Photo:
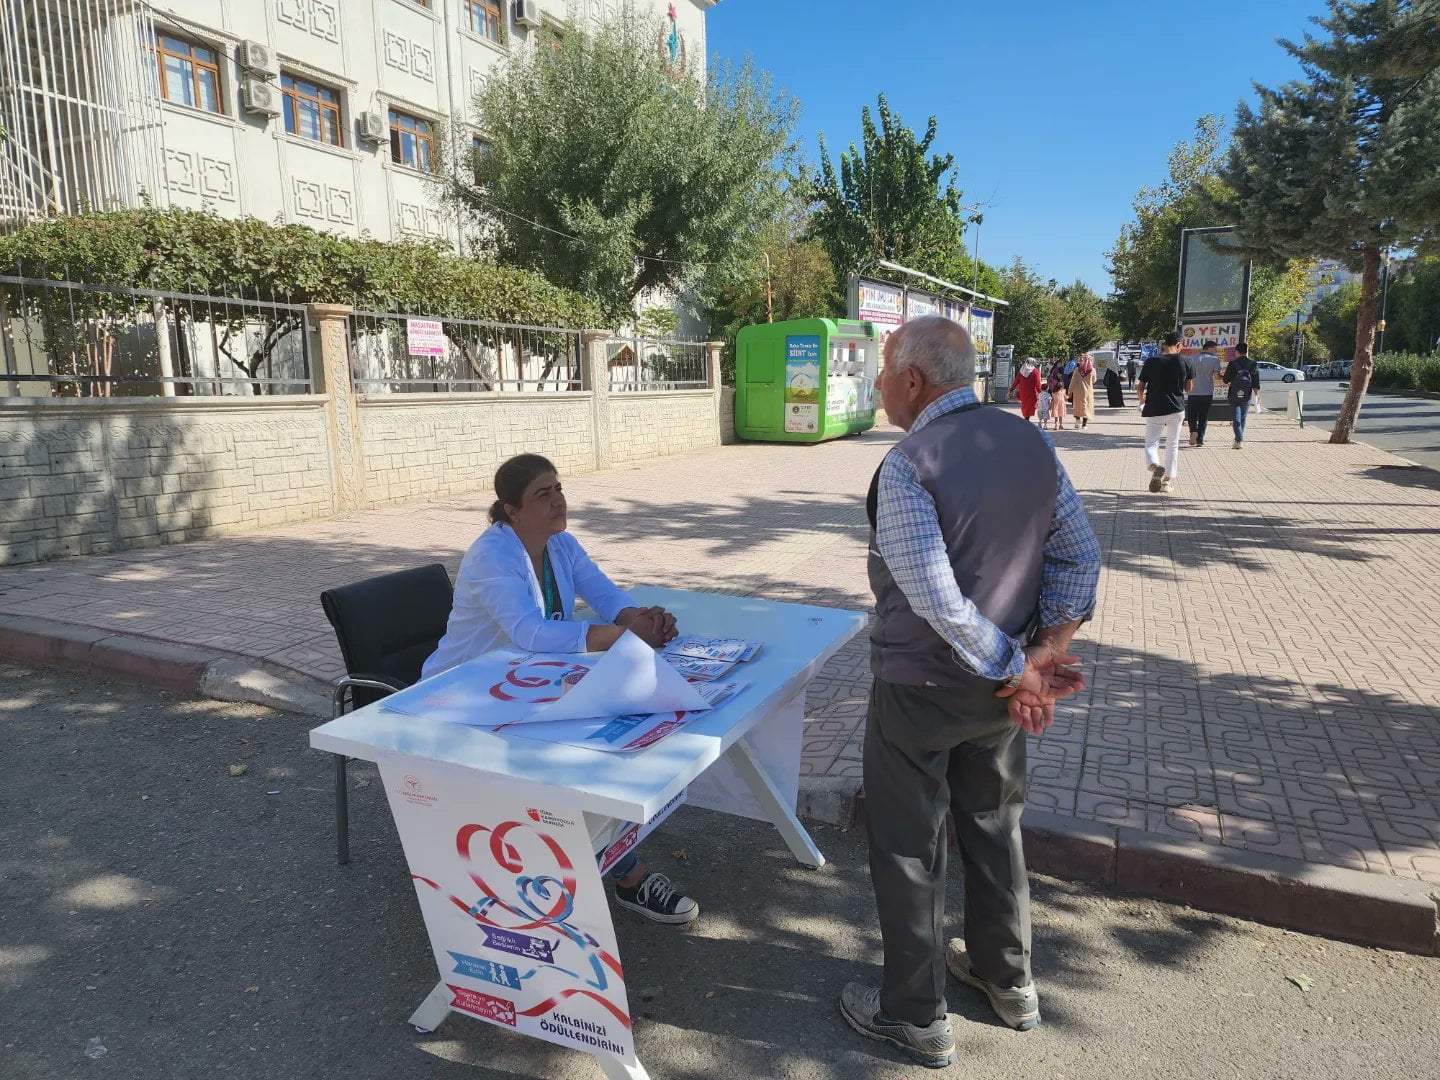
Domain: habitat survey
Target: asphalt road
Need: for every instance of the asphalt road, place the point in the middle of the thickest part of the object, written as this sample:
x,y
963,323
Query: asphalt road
x,y
1402,424
196,925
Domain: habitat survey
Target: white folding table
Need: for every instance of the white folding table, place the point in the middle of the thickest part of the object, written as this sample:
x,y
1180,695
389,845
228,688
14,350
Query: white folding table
x,y
741,758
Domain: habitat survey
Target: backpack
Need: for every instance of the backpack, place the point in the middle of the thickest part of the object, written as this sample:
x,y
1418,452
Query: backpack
x,y
1242,381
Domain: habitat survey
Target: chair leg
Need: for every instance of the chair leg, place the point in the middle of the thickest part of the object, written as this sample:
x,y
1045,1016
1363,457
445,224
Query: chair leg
x,y
342,811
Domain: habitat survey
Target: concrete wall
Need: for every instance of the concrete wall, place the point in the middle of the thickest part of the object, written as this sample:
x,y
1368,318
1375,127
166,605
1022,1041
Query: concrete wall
x,y
646,425
418,446
88,476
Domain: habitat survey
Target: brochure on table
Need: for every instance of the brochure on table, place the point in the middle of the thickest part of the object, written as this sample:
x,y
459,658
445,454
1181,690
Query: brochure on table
x,y
513,904
506,688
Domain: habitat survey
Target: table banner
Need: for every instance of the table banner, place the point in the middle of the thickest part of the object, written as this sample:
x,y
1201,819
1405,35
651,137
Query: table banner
x,y
513,904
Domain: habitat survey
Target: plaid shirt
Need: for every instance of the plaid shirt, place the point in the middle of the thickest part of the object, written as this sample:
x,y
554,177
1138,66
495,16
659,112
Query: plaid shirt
x,y
908,538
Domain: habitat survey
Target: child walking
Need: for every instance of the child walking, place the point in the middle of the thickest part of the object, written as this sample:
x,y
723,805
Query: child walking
x,y
1042,408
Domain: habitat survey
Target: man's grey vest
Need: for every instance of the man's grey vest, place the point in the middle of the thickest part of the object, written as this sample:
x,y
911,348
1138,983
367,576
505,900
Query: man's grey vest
x,y
994,480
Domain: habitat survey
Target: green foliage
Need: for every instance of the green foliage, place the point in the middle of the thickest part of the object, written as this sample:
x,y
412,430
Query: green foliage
x,y
192,251
1145,262
890,198
802,283
610,176
1413,307
1407,371
1344,163
1282,348
1046,322
1085,324
1334,316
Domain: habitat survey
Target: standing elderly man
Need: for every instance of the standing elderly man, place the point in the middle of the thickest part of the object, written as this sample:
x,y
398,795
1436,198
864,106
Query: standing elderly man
x,y
983,566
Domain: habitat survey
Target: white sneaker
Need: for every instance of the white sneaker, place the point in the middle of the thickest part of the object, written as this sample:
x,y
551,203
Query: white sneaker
x,y
1020,1007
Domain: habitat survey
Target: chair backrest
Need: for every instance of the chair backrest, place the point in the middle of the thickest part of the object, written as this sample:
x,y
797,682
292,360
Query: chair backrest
x,y
389,625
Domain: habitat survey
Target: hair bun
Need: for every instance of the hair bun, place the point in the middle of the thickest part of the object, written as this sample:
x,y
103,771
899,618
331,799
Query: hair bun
x,y
497,512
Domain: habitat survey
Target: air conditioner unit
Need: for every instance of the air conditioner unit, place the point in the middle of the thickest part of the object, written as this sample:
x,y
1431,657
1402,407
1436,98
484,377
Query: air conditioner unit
x,y
527,13
259,96
259,59
372,127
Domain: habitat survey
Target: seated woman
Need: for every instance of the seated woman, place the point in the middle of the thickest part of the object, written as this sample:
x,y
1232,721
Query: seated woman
x,y
517,588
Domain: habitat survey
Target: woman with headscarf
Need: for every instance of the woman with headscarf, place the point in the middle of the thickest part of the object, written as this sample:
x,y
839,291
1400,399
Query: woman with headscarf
x,y
1025,387
1082,389
1113,387
1056,385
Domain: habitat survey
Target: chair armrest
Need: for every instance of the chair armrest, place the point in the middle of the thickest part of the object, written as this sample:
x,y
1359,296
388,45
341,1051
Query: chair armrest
x,y
363,682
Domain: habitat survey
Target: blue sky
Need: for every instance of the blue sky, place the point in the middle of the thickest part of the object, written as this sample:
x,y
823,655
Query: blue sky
x,y
1056,111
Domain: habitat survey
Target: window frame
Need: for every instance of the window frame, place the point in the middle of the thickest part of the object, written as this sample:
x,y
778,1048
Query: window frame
x,y
471,8
197,65
398,133
291,98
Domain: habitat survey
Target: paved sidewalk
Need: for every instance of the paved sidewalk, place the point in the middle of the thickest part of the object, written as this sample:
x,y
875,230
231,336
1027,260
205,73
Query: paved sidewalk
x,y
1262,664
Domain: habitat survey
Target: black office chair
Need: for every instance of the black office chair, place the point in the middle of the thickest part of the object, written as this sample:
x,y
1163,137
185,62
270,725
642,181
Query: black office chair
x,y
387,627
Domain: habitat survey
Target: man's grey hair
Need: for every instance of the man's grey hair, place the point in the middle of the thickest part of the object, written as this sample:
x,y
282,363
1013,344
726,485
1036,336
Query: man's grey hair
x,y
939,347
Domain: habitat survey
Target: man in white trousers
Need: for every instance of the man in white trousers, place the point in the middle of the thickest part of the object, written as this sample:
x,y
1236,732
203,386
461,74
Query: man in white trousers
x,y
1164,382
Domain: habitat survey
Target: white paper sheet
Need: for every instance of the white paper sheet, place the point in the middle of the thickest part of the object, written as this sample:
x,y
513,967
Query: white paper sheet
x,y
630,678
506,688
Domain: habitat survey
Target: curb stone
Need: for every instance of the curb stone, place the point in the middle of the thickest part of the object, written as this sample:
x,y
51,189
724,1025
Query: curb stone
x,y
1314,898
1371,909
184,669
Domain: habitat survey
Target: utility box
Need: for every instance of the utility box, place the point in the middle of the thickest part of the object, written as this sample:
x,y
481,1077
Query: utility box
x,y
806,380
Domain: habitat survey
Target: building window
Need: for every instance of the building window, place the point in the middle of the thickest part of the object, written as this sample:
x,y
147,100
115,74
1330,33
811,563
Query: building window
x,y
312,111
479,150
410,140
189,73
483,17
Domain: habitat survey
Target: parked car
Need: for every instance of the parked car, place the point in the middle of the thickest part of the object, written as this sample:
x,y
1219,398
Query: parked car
x,y
1342,369
1284,374
1316,371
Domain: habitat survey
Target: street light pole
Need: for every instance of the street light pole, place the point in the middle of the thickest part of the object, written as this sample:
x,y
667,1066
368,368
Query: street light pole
x,y
1384,297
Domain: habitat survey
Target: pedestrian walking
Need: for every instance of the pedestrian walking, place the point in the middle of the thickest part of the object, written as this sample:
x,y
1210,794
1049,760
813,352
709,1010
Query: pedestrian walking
x,y
981,577
1130,368
1114,392
1055,383
1042,407
1206,366
1242,381
1164,382
1082,390
1027,386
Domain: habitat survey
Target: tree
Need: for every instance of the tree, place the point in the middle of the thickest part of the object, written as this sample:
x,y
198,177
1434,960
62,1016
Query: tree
x,y
1085,324
610,175
1035,320
1145,263
890,198
1334,318
1414,308
1344,163
1313,349
797,270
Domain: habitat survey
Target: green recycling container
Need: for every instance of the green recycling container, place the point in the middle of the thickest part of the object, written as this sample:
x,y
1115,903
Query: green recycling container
x,y
806,380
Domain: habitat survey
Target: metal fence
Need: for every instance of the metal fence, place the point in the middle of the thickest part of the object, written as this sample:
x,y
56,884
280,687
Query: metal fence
x,y
69,339
400,354
651,364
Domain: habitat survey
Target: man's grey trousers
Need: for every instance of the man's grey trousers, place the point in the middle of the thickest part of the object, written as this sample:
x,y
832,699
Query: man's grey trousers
x,y
928,750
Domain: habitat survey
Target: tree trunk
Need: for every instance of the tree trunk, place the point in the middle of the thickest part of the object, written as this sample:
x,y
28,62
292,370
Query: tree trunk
x,y
1362,365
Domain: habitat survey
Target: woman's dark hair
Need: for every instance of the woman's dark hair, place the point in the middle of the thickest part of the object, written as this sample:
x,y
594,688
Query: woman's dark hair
x,y
511,480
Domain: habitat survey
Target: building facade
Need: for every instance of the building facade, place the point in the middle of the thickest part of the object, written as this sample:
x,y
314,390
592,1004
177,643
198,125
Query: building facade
x,y
324,113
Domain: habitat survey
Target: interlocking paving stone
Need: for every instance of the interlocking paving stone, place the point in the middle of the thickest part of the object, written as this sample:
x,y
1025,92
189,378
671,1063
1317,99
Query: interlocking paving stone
x,y
1260,664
